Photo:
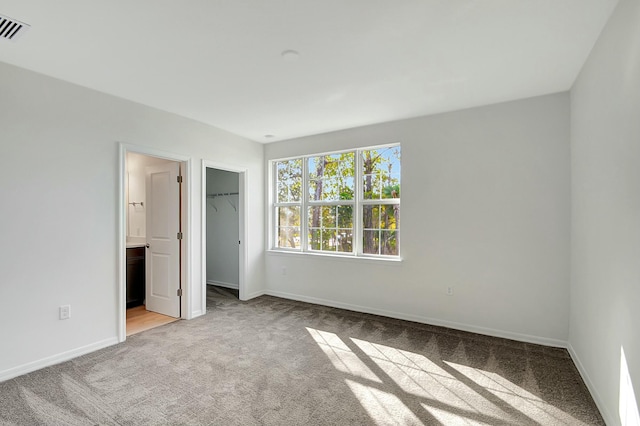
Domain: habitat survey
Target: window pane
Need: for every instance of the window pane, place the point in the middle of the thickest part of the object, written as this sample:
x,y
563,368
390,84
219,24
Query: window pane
x,y
371,242
315,238
345,240
331,228
315,217
289,180
389,216
322,216
289,216
345,216
371,217
389,243
288,226
380,223
381,173
322,239
331,177
289,236
392,190
381,216
329,239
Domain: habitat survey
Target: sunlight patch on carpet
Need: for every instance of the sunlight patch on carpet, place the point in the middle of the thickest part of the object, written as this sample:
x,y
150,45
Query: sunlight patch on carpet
x,y
342,358
418,375
527,403
384,408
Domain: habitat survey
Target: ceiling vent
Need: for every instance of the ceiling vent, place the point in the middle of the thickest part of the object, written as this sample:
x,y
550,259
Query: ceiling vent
x,y
12,29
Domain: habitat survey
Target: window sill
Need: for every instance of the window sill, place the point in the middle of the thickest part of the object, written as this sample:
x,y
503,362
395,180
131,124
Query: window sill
x,y
340,257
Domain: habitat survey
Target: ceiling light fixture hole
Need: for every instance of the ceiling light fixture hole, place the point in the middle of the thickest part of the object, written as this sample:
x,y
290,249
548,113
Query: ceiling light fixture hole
x,y
290,55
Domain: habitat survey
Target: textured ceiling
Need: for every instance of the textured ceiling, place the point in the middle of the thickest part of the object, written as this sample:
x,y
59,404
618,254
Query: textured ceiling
x,y
361,61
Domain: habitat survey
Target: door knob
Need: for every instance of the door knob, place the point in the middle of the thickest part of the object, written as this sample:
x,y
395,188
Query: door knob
x,y
147,245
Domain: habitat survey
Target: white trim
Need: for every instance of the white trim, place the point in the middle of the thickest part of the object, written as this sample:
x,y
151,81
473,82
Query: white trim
x,y
269,219
424,320
390,260
244,233
341,151
243,252
223,284
121,276
256,294
357,210
203,235
304,204
56,359
187,261
606,415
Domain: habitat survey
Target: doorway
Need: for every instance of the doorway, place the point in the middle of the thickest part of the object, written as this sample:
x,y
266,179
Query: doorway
x,y
223,214
153,244
153,250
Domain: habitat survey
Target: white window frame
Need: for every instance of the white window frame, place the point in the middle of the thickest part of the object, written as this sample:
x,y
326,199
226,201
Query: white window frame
x,y
274,204
358,202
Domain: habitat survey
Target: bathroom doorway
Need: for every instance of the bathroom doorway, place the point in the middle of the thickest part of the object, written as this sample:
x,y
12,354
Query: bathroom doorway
x,y
153,250
153,267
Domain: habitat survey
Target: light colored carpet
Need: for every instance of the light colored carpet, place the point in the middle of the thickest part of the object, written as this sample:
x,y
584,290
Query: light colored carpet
x,y
277,362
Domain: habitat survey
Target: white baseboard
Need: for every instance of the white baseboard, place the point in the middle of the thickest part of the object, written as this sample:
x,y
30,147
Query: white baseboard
x,y
424,320
606,415
55,359
255,294
223,284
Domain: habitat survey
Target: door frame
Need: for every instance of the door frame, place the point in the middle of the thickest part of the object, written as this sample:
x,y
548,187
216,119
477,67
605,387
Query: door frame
x,y
242,225
186,254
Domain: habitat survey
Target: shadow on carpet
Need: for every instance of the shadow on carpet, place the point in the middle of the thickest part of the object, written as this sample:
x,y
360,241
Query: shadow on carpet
x,y
272,361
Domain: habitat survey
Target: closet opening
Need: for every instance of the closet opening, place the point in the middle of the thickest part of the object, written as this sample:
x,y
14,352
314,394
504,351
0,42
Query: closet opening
x,y
223,224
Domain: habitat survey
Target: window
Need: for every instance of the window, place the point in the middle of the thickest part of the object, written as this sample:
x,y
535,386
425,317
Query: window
x,y
288,202
343,202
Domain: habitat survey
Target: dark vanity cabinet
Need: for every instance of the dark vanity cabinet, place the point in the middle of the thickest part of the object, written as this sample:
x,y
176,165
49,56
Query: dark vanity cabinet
x,y
135,276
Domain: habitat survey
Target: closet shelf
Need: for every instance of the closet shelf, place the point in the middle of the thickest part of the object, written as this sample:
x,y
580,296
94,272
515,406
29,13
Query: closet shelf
x,y
226,197
221,194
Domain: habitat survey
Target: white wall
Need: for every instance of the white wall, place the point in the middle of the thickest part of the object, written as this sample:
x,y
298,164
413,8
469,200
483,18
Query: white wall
x,y
59,158
605,151
222,229
136,193
485,209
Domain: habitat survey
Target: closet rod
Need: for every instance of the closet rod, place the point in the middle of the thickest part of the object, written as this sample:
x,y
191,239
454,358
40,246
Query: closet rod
x,y
221,194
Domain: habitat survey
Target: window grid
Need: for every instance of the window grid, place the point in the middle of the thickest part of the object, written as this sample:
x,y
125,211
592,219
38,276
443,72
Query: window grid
x,y
288,234
358,204
342,235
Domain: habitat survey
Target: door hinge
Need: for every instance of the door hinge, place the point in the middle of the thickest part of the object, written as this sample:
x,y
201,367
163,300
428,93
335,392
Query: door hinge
x,y
179,235
179,179
179,292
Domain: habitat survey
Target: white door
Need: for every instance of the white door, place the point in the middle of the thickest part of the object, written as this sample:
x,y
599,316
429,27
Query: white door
x,y
163,245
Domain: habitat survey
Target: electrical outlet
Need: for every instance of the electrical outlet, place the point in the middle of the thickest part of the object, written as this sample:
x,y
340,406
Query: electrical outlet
x,y
449,291
65,312
284,270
